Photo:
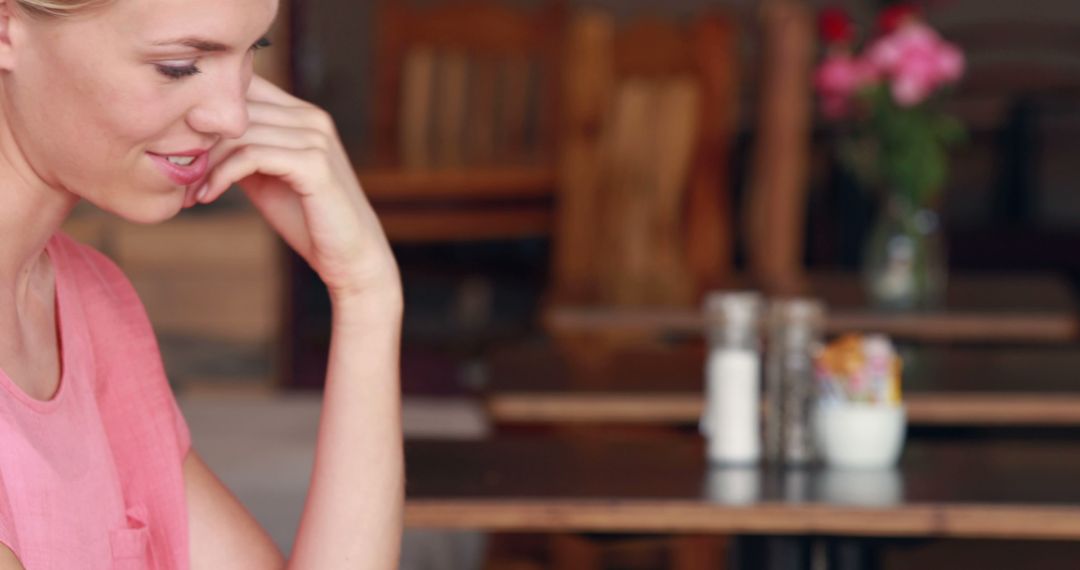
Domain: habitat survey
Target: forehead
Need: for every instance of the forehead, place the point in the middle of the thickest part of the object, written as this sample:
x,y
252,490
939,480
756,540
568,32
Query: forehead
x,y
226,21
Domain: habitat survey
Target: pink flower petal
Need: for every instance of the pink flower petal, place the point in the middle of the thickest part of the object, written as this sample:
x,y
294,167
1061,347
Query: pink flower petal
x,y
950,63
838,75
910,90
918,36
883,55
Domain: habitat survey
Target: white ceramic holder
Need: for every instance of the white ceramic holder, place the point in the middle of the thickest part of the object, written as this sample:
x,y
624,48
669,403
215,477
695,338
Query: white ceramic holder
x,y
860,435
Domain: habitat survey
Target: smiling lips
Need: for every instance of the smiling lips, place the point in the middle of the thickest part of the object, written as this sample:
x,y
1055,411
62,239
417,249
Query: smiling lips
x,y
183,168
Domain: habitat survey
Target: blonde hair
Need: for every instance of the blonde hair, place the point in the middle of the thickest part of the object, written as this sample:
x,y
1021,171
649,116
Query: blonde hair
x,y
57,8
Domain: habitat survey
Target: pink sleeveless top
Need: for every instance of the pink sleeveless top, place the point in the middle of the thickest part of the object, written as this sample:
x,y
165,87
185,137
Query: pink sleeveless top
x,y
92,478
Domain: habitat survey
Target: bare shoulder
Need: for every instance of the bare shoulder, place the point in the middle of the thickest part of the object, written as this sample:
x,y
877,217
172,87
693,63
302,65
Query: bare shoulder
x,y
8,560
223,533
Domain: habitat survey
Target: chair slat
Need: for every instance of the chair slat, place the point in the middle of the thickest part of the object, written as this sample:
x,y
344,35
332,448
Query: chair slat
x,y
481,122
418,79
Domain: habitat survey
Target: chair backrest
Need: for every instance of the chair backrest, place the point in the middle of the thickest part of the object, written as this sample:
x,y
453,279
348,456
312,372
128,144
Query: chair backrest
x,y
775,202
643,206
465,82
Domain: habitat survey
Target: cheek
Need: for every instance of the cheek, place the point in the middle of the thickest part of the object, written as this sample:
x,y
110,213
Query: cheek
x,y
125,112
88,110
108,126
90,137
84,122
127,125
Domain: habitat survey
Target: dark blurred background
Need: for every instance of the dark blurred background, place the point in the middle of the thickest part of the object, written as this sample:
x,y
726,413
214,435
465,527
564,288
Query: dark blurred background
x,y
1010,203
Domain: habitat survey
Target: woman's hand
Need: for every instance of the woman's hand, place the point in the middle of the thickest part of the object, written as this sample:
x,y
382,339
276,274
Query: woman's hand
x,y
291,164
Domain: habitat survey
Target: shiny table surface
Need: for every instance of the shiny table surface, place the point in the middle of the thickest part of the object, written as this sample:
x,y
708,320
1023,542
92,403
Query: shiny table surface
x,y
957,385
968,489
998,308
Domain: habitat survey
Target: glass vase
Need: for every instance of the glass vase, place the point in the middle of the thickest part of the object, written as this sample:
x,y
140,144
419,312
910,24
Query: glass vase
x,y
904,261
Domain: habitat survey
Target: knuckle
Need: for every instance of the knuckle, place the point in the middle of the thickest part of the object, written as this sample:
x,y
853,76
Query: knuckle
x,y
318,139
321,119
315,156
247,154
319,160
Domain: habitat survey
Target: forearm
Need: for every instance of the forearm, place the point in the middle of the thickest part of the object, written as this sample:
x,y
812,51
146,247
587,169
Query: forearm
x,y
353,514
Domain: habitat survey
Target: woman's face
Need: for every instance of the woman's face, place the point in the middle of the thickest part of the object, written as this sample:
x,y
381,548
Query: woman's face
x,y
97,103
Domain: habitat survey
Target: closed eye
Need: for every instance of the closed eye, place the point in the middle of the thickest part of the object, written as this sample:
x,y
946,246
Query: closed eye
x,y
177,71
181,71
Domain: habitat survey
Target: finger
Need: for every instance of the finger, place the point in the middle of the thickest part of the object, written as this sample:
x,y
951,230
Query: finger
x,y
273,105
285,137
263,90
285,163
264,134
217,153
270,135
189,196
275,114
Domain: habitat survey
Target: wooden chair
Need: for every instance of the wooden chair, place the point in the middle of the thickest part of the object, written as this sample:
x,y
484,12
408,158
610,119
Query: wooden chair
x,y
776,201
664,258
644,209
465,99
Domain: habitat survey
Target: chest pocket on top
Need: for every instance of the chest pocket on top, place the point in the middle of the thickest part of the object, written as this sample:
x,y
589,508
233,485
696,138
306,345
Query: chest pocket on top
x,y
131,544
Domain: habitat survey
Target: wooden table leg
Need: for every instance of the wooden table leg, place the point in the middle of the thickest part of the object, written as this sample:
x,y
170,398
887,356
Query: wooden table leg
x,y
699,552
574,552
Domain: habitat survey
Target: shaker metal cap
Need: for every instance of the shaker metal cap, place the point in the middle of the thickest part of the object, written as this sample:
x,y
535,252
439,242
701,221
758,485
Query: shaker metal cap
x,y
733,305
797,310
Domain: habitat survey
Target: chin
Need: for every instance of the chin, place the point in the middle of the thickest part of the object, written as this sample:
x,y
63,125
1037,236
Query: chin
x,y
149,210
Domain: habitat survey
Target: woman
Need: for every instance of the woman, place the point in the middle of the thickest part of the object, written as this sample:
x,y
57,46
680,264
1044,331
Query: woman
x,y
145,107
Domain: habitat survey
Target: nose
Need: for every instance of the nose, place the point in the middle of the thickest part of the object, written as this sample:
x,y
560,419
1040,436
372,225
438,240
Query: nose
x,y
221,109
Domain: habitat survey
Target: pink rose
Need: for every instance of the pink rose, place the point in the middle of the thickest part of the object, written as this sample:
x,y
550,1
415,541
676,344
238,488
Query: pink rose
x,y
909,90
950,62
839,74
916,61
838,78
913,79
914,40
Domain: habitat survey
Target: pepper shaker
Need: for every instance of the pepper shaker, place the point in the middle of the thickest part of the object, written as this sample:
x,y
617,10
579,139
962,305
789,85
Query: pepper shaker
x,y
795,328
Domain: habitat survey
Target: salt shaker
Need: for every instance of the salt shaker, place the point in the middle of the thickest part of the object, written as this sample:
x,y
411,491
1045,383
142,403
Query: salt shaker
x,y
794,333
731,421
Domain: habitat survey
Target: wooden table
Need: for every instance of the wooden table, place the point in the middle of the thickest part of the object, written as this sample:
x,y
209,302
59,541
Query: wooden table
x,y
969,489
956,386
978,308
1011,491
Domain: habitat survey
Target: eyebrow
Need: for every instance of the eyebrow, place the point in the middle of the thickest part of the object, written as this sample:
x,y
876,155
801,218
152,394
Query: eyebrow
x,y
196,43
201,44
